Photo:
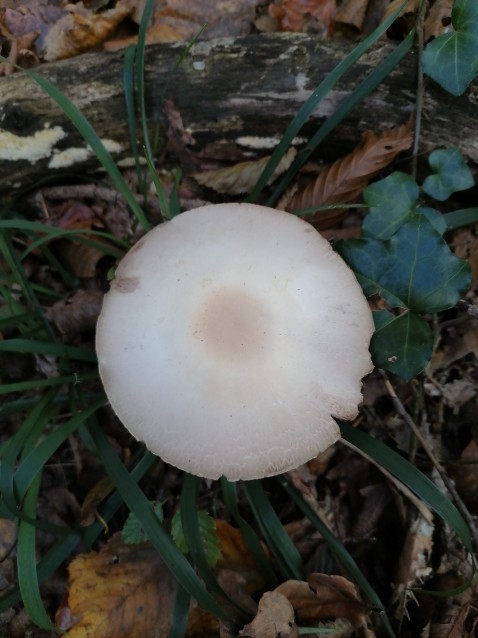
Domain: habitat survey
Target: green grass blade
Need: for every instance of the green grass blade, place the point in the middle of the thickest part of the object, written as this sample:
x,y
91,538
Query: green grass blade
x,y
32,463
141,507
363,89
160,192
342,556
317,96
229,494
27,563
410,476
194,541
37,384
128,88
140,82
274,533
53,232
179,622
463,217
63,549
49,348
30,430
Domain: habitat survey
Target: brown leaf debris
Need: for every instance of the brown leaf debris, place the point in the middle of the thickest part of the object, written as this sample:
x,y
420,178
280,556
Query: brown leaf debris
x,y
324,597
275,617
293,15
344,181
123,590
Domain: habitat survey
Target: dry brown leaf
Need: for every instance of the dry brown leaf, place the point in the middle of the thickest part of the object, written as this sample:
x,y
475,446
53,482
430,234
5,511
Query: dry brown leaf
x,y
275,617
95,496
438,20
410,7
82,29
293,15
237,570
122,591
465,476
77,314
414,561
462,341
180,20
345,179
352,12
324,597
241,178
32,17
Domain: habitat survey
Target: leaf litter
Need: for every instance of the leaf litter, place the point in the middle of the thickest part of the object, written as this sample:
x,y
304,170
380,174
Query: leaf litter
x,y
357,503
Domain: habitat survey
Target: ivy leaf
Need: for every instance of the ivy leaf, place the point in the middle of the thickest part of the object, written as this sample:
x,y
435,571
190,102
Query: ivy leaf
x,y
133,532
401,344
415,269
436,219
451,173
207,528
392,201
451,59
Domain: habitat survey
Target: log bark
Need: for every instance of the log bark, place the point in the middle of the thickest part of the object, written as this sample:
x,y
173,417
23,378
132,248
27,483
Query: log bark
x,y
236,95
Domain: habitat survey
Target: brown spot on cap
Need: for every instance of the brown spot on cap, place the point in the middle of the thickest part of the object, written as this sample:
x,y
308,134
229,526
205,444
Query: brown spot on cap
x,y
125,284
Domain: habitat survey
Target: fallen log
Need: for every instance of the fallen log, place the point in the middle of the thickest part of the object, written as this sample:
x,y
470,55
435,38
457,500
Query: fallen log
x,y
237,95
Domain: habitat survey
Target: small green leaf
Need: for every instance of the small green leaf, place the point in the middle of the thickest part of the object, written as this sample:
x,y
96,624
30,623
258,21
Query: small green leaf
x,y
402,344
133,531
451,59
207,528
415,269
392,201
451,173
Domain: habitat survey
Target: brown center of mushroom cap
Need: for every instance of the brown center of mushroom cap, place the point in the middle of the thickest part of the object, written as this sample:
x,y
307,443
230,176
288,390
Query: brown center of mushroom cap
x,y
232,324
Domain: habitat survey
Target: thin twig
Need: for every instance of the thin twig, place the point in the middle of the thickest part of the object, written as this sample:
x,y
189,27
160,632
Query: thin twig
x,y
420,88
461,507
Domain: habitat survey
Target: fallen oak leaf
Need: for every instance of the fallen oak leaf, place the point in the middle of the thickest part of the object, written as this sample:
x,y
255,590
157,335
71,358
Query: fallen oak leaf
x,y
344,180
274,619
325,597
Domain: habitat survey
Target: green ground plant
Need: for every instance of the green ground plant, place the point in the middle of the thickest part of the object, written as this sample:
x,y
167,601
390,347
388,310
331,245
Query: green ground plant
x,y
402,256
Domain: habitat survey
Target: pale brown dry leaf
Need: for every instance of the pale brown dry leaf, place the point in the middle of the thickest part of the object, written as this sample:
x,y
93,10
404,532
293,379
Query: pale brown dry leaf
x,y
275,617
414,561
122,590
410,7
453,625
352,12
465,476
292,15
32,17
180,20
324,597
241,178
82,29
77,314
460,343
438,20
345,179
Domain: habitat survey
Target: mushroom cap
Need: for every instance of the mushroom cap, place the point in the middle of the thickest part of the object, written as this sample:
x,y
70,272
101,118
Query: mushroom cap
x,y
229,337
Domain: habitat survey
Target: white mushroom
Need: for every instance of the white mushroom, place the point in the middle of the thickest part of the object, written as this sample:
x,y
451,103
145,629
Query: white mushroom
x,y
229,337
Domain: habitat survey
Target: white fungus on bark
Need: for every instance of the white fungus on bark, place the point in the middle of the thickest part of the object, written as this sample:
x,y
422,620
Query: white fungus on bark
x,y
231,336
